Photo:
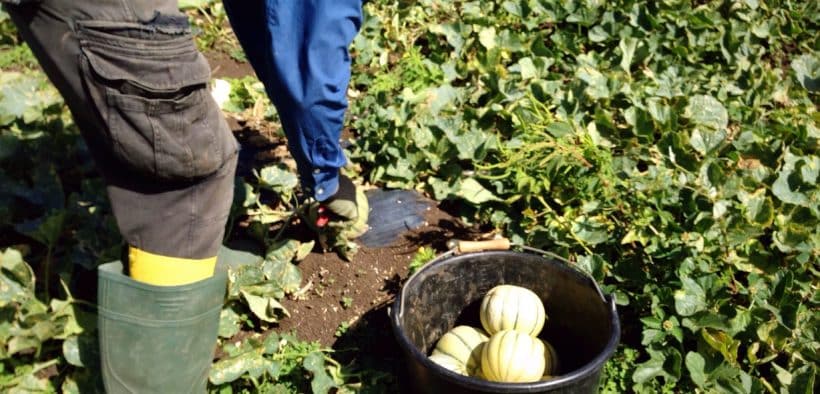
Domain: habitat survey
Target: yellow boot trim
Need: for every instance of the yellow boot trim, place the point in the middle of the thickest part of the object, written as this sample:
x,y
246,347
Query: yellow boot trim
x,y
159,270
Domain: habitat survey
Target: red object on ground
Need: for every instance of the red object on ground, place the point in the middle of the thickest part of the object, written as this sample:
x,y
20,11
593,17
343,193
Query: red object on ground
x,y
322,219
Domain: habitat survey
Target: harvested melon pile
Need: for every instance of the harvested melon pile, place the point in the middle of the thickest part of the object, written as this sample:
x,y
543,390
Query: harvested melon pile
x,y
507,349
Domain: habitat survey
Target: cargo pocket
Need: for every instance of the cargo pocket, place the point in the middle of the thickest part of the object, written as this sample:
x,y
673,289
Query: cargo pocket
x,y
149,84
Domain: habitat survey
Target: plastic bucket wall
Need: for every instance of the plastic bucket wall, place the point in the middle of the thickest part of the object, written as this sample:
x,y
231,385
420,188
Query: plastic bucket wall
x,y
582,324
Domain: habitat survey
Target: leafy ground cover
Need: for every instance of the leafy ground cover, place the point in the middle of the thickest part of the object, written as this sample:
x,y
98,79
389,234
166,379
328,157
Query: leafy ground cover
x,y
669,148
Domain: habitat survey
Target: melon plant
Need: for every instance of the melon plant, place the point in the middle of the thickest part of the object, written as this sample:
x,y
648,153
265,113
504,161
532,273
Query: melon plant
x,y
463,344
509,307
512,356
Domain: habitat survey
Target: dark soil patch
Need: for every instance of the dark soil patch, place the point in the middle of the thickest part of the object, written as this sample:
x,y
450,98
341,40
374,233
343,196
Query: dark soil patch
x,y
342,294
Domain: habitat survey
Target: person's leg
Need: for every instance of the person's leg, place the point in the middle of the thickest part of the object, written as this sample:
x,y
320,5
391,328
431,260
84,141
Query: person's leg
x,y
138,89
300,52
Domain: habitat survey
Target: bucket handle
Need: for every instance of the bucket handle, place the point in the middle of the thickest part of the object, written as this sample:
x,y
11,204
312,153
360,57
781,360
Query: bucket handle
x,y
461,246
458,246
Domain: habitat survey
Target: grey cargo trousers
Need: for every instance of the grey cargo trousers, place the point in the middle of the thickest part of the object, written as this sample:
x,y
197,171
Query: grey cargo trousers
x,y
138,90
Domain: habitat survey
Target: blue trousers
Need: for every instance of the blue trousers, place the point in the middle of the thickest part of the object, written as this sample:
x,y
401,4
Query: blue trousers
x,y
299,50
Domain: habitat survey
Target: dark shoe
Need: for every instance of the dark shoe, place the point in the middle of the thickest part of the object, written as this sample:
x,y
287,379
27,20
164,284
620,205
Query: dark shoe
x,y
340,219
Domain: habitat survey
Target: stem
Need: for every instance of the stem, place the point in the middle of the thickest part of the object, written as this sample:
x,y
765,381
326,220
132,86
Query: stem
x,y
565,225
282,230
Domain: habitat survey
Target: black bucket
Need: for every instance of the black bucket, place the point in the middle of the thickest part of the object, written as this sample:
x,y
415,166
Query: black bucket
x,y
582,323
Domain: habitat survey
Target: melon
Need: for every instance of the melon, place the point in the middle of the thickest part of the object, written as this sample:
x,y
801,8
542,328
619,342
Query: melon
x,y
550,359
509,307
449,363
512,356
463,343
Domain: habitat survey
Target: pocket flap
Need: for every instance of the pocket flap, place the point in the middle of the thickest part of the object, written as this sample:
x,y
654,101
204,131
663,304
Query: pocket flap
x,y
156,65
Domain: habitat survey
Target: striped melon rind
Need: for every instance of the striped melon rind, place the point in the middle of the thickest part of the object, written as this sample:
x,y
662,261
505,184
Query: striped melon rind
x,y
449,363
463,343
509,307
512,356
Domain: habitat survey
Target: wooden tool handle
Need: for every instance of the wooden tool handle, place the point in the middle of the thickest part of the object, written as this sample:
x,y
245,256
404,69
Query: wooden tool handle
x,y
477,246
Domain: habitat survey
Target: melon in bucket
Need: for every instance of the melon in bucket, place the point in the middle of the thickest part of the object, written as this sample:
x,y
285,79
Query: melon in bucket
x,y
583,324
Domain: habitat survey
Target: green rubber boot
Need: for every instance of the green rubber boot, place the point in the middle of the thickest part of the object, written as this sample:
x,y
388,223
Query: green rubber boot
x,y
157,339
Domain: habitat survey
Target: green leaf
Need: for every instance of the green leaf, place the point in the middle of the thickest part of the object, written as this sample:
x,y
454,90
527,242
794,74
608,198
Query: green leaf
x,y
528,70
453,33
560,129
705,141
597,87
627,46
657,366
658,110
487,38
21,97
284,274
278,178
640,120
472,191
690,299
70,386
265,308
470,144
723,343
251,363
229,323
598,34
786,186
70,315
21,343
758,208
71,351
284,250
422,136
16,277
31,383
807,70
592,230
442,189
648,370
272,343
441,98
245,275
782,374
707,111
803,380
321,382
304,250
695,364
594,265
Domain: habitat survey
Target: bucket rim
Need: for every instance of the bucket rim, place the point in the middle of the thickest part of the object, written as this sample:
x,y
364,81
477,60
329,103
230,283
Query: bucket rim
x,y
591,368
